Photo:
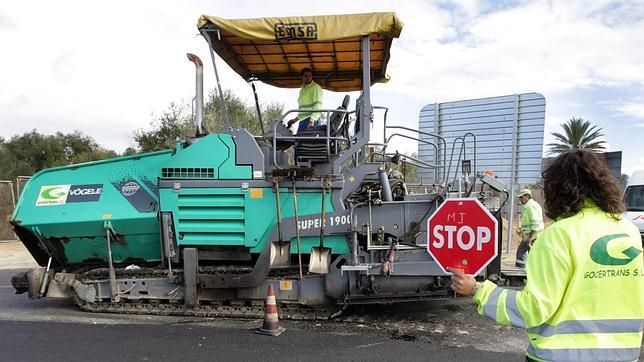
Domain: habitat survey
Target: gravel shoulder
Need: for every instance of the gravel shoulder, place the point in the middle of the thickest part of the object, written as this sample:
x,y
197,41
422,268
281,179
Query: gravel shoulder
x,y
14,255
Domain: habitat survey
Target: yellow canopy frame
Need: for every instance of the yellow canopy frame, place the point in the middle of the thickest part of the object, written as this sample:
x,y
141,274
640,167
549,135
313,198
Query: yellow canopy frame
x,y
275,50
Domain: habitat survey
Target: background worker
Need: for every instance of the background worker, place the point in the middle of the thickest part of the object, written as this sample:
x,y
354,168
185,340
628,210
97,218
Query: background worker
x,y
583,299
310,98
531,225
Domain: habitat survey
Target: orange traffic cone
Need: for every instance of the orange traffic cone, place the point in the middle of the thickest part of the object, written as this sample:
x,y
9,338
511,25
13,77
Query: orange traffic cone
x,y
271,325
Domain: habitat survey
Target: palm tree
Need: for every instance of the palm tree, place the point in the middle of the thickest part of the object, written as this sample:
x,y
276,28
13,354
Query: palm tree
x,y
579,135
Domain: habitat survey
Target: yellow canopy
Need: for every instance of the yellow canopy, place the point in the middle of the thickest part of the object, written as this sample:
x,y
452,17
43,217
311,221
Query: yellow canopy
x,y
275,50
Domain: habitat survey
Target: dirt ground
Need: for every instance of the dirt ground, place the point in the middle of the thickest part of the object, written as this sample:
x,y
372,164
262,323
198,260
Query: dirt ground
x,y
13,255
451,322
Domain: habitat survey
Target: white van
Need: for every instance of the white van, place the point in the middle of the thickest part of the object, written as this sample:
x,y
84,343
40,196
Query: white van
x,y
634,199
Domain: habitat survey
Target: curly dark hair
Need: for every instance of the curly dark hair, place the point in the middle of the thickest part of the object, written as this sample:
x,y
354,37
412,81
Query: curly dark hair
x,y
575,176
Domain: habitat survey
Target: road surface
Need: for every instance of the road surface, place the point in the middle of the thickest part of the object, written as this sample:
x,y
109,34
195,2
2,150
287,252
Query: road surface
x,y
444,330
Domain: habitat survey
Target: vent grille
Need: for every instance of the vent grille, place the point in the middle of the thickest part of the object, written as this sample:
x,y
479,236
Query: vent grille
x,y
211,219
188,172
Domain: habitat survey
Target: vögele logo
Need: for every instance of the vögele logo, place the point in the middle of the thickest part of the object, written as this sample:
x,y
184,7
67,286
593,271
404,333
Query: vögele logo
x,y
85,191
599,251
130,188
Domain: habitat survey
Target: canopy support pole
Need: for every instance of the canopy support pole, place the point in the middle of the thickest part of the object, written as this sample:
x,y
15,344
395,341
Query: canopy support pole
x,y
204,32
364,107
259,111
366,87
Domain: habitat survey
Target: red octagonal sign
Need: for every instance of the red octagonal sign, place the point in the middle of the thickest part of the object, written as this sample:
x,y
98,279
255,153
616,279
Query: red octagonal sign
x,y
462,234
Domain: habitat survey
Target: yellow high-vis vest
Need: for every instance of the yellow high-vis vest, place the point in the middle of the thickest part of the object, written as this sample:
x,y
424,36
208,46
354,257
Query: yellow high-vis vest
x,y
584,297
532,218
310,98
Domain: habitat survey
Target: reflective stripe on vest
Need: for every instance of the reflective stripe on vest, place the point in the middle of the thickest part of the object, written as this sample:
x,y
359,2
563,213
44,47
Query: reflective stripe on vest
x,y
512,310
489,309
590,326
587,326
586,354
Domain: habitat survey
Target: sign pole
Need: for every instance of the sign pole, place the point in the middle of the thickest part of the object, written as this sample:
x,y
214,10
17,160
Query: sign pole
x,y
513,173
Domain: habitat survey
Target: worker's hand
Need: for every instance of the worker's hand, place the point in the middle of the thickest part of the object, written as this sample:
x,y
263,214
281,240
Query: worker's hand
x,y
462,283
291,122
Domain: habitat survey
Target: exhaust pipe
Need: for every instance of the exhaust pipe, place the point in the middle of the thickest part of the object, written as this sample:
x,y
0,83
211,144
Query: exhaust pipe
x,y
199,94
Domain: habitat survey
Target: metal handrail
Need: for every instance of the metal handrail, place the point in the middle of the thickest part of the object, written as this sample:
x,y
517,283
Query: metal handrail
x,y
417,162
384,133
437,165
326,138
416,139
368,157
462,152
441,138
384,129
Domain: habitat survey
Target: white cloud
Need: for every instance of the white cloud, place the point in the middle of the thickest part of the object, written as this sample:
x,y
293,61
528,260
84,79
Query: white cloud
x,y
6,23
538,46
639,165
104,69
632,108
63,67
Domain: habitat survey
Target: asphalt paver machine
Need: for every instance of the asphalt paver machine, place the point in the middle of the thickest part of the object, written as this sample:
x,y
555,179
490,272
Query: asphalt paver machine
x,y
203,228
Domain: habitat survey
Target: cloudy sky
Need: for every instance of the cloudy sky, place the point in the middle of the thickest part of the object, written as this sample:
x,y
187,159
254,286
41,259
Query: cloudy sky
x,y
106,68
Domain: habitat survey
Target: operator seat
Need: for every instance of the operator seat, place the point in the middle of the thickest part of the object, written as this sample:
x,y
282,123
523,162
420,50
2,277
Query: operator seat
x,y
315,150
280,131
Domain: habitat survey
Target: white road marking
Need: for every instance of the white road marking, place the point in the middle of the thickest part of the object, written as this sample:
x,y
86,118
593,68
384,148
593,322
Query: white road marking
x,y
369,345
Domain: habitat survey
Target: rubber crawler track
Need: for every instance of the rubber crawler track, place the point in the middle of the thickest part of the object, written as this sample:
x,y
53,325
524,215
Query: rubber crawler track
x,y
164,308
213,311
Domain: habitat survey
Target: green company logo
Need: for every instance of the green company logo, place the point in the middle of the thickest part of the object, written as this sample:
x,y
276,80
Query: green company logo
x,y
53,193
599,253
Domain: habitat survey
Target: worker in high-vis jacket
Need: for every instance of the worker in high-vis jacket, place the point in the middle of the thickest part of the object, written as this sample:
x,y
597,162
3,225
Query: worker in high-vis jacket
x,y
310,97
584,297
531,225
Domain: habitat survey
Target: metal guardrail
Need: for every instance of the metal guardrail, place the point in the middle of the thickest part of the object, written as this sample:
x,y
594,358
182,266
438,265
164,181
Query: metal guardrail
x,y
440,166
420,163
440,152
461,152
327,138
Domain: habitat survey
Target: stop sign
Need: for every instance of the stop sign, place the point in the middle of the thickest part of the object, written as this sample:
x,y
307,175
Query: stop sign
x,y
462,234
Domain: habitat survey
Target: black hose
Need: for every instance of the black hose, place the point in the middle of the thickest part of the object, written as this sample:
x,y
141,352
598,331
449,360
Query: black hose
x,y
507,197
469,192
416,227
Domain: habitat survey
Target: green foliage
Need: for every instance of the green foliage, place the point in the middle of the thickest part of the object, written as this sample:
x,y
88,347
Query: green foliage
x,y
171,125
25,155
410,170
271,113
579,135
241,115
31,152
129,151
177,122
